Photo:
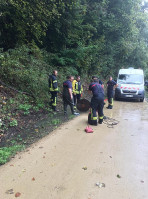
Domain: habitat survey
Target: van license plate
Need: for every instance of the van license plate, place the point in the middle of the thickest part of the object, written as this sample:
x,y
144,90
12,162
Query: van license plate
x,y
129,95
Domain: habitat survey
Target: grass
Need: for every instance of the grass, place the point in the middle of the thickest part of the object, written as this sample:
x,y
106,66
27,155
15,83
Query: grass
x,y
7,152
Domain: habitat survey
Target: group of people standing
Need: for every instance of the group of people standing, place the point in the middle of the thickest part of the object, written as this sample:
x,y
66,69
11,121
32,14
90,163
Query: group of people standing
x,y
72,92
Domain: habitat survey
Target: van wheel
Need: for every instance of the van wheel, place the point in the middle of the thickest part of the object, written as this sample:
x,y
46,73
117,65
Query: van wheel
x,y
141,100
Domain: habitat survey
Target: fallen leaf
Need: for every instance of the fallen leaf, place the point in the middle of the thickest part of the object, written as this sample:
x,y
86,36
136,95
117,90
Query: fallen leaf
x,y
11,165
33,179
4,103
85,168
17,194
10,191
100,184
118,176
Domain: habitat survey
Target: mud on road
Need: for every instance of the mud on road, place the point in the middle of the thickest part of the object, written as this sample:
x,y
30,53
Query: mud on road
x,y
68,163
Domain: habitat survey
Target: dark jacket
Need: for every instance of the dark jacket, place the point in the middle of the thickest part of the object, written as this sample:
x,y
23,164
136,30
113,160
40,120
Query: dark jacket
x,y
97,90
53,84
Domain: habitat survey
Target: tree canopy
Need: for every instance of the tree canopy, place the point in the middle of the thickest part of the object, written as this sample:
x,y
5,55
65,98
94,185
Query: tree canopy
x,y
78,36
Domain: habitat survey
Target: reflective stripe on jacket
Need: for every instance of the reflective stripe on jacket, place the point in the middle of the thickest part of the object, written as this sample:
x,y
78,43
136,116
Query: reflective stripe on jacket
x,y
53,84
77,87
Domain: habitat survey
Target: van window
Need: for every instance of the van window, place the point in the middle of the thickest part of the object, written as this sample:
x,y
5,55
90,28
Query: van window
x,y
130,79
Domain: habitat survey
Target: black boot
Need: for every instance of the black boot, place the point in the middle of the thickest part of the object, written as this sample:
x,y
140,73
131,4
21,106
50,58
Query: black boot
x,y
109,107
55,109
100,121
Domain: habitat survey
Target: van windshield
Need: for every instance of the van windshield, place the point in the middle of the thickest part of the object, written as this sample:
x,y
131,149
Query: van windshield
x,y
130,79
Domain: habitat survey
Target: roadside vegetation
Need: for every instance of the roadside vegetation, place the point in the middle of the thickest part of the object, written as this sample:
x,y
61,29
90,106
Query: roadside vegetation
x,y
72,36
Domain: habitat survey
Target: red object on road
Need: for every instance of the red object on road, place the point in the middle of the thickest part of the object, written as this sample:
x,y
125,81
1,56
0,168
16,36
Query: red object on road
x,y
88,129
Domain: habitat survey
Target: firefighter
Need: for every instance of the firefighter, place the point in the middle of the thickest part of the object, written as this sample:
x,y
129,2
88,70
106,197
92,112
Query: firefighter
x,y
97,101
77,90
100,81
68,96
53,88
111,84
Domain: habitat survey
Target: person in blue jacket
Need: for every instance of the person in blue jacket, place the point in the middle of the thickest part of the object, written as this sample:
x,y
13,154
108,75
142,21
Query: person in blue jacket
x,y
97,101
110,92
68,95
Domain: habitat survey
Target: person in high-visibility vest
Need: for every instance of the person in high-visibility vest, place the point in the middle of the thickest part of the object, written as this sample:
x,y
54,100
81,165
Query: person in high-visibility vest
x,y
77,90
53,88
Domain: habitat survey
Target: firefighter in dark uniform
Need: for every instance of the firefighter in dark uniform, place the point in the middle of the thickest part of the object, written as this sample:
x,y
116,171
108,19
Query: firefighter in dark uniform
x,y
97,101
100,81
53,88
77,90
110,92
68,96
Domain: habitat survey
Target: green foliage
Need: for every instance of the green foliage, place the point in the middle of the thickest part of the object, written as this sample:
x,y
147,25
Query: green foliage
x,y
76,37
1,123
27,20
36,108
24,107
7,152
55,121
13,122
25,69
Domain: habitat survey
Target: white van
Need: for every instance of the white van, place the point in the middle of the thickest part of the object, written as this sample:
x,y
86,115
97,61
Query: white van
x,y
130,84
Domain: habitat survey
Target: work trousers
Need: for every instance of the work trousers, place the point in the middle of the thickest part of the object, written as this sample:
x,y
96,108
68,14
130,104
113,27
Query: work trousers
x,y
53,99
110,95
68,101
76,98
97,105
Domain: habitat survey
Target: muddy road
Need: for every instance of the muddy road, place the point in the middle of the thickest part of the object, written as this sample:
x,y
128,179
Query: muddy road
x,y
68,163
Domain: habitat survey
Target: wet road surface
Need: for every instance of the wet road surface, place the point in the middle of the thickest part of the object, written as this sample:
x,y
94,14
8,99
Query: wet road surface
x,y
68,163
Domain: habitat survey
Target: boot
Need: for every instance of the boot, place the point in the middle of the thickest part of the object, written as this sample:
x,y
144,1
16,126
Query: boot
x,y
104,117
65,113
74,107
109,107
100,121
76,113
55,109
